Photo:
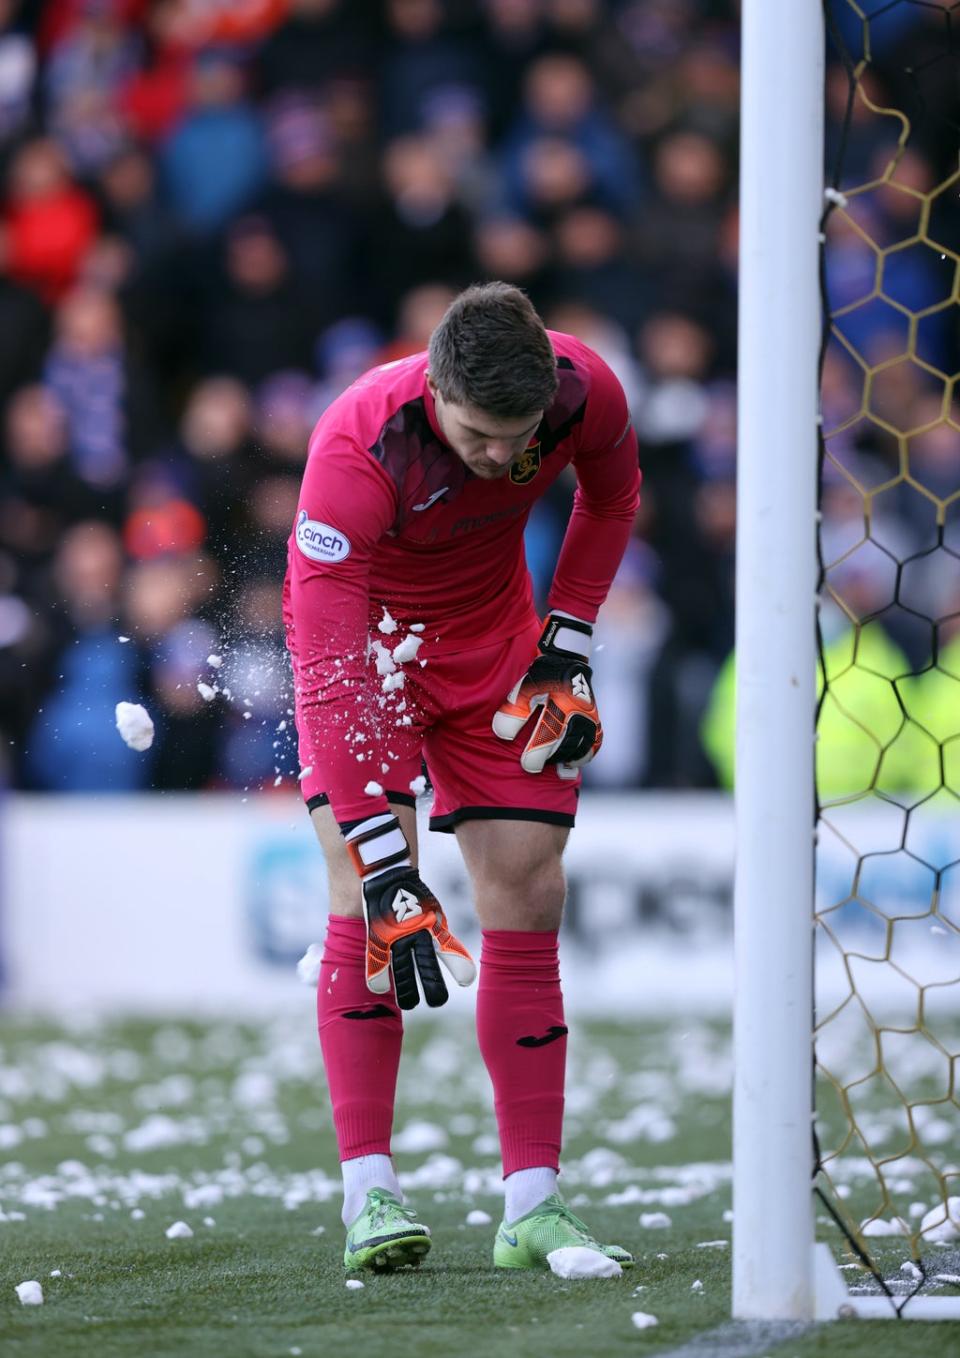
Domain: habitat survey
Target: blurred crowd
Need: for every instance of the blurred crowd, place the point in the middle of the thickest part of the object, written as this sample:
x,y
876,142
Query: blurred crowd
x,y
213,217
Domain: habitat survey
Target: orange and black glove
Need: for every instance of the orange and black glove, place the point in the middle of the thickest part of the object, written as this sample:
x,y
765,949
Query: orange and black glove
x,y
558,687
406,927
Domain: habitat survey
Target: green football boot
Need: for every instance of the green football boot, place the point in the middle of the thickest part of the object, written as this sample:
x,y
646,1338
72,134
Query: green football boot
x,y
385,1236
526,1242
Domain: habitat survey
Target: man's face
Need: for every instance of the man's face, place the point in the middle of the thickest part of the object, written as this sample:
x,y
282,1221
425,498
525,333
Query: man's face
x,y
488,444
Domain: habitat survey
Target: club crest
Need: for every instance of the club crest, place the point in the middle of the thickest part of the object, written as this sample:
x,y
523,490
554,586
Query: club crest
x,y
526,466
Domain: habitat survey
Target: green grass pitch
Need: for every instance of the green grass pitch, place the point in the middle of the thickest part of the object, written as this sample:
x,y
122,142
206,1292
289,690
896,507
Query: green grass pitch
x,y
109,1133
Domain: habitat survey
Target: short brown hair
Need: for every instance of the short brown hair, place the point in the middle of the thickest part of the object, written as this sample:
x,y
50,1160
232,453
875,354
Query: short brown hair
x,y
491,351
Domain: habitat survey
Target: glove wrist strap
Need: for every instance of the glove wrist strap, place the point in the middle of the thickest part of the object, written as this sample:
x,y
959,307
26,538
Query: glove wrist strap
x,y
566,636
376,845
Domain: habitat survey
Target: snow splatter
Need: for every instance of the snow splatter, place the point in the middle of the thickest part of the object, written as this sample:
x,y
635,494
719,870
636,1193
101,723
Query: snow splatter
x,y
178,1231
30,1293
642,1320
417,785
123,640
373,789
215,660
304,773
407,650
134,725
478,1217
384,660
308,968
393,681
417,626
576,1261
206,691
386,625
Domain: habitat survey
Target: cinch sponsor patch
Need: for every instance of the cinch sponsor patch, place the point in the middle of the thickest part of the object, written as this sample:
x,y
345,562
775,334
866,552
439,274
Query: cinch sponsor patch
x,y
319,541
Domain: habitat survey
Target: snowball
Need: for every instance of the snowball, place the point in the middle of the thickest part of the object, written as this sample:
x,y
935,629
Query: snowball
x,y
134,725
417,785
576,1261
56,1273
393,681
386,623
417,626
30,1293
642,1320
215,660
478,1217
207,693
123,640
407,650
373,789
178,1231
385,662
353,1284
308,968
896,1226
655,1221
942,1223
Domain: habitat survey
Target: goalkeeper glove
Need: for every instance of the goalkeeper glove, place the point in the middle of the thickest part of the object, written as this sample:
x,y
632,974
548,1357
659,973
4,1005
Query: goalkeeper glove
x,y
567,731
406,927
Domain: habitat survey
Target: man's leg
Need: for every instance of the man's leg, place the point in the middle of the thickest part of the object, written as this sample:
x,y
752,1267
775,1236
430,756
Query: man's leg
x,y
517,875
519,887
360,1033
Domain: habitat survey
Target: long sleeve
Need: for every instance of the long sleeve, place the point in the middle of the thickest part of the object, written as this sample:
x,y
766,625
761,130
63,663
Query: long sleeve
x,y
346,506
605,502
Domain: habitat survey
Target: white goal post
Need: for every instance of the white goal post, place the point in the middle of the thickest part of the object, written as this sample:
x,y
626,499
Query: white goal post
x,y
778,1271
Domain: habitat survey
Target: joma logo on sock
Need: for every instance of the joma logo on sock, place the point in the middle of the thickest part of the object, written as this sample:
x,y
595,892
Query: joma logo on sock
x,y
555,1031
405,905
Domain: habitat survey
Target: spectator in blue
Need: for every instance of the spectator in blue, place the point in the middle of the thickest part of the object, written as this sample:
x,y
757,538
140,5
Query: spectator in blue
x,y
560,106
214,162
72,745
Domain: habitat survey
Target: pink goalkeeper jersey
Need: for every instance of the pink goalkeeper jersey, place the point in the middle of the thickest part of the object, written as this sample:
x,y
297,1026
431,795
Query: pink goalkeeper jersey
x,y
391,519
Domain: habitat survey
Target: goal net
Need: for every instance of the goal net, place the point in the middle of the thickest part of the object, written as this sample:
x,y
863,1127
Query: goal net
x,y
887,967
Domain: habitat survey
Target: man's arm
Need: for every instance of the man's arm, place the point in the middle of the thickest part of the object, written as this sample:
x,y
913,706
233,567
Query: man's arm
x,y
605,503
346,505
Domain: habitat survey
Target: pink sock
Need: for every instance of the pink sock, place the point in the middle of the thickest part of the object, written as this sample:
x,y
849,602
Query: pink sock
x,y
523,1041
360,1036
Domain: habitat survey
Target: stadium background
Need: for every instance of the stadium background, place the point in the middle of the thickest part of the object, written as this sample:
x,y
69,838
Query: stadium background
x,y
212,219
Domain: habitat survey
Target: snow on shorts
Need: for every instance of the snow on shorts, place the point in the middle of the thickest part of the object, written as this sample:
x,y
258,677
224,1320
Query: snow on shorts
x,y
475,775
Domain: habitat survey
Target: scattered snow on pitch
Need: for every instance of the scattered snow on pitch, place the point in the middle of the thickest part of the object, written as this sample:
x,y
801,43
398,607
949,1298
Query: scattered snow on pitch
x,y
576,1261
387,625
417,785
942,1223
696,1286
206,691
30,1293
418,1136
655,1221
407,650
373,789
642,1320
353,1284
178,1231
896,1226
134,725
478,1217
308,968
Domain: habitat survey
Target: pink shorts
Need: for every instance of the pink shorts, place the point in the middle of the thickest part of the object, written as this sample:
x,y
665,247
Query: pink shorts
x,y
475,775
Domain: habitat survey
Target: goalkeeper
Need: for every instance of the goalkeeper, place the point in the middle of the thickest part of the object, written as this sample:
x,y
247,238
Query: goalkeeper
x,y
413,636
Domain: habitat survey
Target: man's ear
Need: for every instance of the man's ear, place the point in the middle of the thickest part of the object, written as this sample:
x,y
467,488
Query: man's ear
x,y
434,389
